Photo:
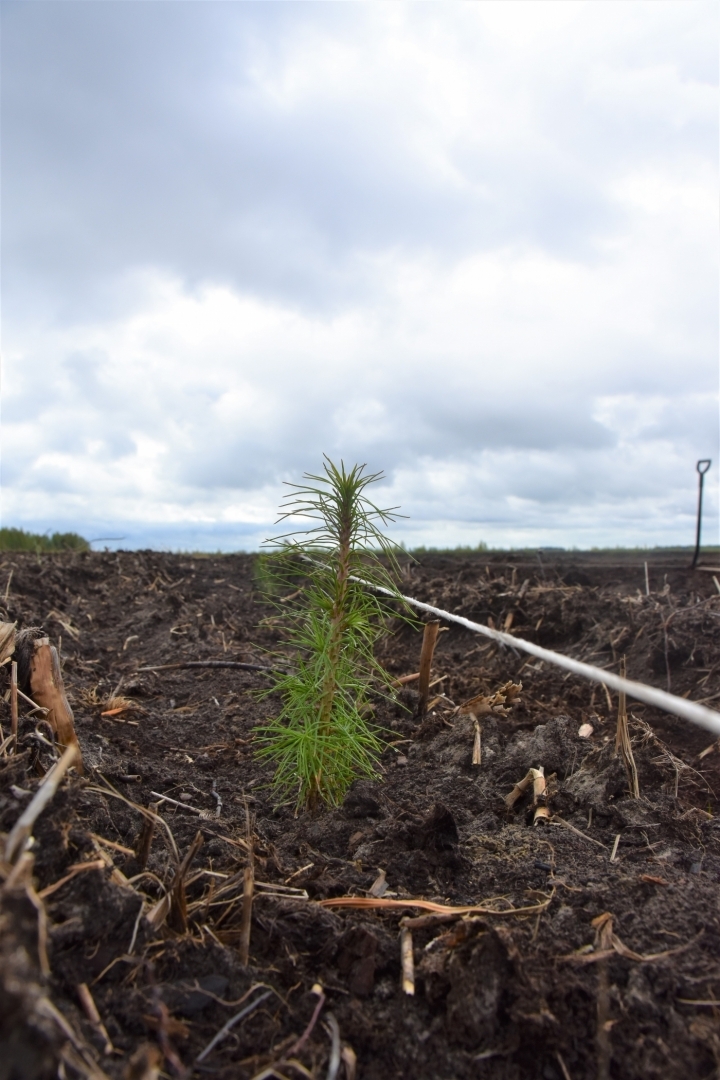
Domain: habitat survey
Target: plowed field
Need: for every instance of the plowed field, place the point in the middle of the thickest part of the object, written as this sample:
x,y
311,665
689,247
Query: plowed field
x,y
595,952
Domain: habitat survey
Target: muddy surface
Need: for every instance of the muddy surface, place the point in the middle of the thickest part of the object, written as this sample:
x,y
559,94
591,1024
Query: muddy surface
x,y
611,966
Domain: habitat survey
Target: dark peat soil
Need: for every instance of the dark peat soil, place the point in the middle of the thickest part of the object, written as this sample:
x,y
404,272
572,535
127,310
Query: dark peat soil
x,y
612,975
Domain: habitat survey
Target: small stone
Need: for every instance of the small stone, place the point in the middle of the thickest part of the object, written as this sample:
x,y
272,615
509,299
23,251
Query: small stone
x,y
585,731
401,760
695,867
185,796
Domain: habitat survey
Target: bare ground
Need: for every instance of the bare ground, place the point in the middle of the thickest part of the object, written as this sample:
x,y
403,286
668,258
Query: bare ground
x,y
612,974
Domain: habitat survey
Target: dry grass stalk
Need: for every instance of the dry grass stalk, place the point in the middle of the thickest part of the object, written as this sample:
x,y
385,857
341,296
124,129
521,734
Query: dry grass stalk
x,y
709,749
246,914
407,961
333,1029
14,704
48,690
607,943
177,915
349,1060
22,828
623,745
477,743
108,789
405,679
78,868
430,905
430,635
90,1010
578,832
248,890
145,1063
145,839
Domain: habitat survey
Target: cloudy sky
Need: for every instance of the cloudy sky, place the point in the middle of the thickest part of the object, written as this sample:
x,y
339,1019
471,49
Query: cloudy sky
x,y
474,245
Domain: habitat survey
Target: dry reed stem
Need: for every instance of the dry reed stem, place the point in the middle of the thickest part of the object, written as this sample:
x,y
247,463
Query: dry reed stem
x,y
540,796
477,743
407,960
430,635
429,905
14,704
520,788
90,1009
47,688
607,943
78,868
578,832
177,915
246,914
623,746
110,790
349,1060
145,839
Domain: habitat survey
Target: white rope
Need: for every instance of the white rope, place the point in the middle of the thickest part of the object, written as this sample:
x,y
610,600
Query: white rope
x,y
660,699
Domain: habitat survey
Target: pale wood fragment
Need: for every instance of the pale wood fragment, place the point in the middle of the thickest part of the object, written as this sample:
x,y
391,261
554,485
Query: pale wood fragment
x,y
477,744
145,839
48,690
7,640
14,704
430,634
407,960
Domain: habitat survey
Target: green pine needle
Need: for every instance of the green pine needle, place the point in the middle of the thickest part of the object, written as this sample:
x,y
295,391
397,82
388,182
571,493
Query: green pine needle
x,y
321,740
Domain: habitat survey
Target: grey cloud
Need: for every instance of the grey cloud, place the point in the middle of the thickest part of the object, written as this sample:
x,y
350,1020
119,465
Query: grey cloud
x,y
135,135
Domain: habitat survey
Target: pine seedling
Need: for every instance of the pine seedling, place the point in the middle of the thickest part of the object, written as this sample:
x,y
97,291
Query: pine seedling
x,y
321,740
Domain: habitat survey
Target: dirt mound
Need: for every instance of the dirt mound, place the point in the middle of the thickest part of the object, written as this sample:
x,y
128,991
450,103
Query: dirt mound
x,y
593,947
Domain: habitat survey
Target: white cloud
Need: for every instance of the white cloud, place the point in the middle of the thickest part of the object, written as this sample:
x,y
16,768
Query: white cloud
x,y
474,245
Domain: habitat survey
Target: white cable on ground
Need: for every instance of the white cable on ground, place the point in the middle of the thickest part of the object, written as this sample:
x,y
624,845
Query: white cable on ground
x,y
688,710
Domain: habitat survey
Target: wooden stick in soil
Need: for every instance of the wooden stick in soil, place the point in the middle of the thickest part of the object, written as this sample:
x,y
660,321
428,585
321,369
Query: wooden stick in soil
x,y
13,704
248,892
407,960
623,746
246,915
477,744
145,839
520,788
542,811
48,690
430,634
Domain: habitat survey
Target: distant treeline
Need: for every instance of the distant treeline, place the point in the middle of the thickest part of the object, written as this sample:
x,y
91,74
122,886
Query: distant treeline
x,y
19,540
552,551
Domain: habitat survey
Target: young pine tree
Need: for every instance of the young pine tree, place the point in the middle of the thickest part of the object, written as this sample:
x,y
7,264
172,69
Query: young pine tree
x,y
321,740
